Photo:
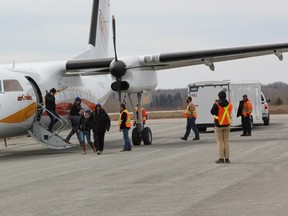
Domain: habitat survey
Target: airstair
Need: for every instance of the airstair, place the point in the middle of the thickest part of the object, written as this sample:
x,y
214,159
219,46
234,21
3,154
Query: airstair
x,y
42,135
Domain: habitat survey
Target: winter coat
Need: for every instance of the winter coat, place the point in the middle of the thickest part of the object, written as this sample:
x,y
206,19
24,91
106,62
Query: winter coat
x,y
50,101
100,122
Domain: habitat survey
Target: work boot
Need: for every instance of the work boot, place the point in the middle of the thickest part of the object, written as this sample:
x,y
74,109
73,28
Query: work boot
x,y
84,148
220,160
227,160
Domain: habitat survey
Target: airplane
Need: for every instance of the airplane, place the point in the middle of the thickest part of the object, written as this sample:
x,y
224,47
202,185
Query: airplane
x,y
93,76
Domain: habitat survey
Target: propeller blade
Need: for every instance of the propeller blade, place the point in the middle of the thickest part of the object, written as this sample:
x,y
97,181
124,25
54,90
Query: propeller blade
x,y
114,36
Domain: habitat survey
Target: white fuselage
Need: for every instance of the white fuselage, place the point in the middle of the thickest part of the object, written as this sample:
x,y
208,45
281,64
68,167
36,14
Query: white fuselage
x,y
18,104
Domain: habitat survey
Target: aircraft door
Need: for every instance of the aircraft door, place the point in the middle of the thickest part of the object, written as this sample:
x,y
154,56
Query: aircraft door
x,y
38,96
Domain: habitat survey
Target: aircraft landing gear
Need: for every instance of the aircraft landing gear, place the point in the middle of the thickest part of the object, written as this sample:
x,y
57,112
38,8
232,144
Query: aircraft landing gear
x,y
139,132
138,136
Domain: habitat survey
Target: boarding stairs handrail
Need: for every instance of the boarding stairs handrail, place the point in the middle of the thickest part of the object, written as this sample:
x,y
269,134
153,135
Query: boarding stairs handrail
x,y
62,120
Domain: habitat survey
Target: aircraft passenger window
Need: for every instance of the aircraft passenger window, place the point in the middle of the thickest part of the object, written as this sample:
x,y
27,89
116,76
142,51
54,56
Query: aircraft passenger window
x,y
11,86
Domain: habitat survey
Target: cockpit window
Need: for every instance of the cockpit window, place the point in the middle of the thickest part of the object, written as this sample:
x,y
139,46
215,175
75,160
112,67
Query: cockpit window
x,y
11,86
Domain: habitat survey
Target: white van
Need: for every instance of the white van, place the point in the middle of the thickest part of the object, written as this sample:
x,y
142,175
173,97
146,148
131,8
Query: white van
x,y
205,93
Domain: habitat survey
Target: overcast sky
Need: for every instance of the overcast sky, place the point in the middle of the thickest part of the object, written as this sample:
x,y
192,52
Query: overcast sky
x,y
47,30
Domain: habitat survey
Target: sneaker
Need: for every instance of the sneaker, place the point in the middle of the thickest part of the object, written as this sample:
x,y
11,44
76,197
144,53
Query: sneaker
x,y
227,160
183,138
196,138
220,160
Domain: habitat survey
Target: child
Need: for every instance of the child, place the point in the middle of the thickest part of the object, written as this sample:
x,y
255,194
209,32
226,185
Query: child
x,y
84,131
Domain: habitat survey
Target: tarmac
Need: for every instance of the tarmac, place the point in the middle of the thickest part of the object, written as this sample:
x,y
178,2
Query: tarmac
x,y
169,177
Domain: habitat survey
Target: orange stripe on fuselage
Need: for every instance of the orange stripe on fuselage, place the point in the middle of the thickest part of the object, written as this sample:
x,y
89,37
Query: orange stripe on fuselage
x,y
21,115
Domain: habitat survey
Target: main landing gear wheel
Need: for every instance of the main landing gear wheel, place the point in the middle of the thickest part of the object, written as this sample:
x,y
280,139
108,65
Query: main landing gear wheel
x,y
147,136
138,136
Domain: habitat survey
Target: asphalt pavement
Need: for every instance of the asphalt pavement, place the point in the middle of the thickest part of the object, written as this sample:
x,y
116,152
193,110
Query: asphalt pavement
x,y
170,177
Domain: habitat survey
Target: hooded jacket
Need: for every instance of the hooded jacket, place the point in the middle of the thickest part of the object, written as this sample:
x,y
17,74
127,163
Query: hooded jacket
x,y
215,110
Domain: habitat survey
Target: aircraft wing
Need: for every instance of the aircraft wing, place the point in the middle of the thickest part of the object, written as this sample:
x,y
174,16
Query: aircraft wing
x,y
209,57
178,59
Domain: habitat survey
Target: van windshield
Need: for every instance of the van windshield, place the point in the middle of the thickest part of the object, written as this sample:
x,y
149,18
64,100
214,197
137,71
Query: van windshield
x,y
12,86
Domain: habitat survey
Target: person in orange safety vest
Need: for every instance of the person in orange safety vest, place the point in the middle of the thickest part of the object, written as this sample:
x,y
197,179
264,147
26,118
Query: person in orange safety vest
x,y
222,110
124,124
190,114
245,111
144,115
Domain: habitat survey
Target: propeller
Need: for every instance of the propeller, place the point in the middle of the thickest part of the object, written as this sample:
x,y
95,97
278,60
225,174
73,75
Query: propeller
x,y
117,68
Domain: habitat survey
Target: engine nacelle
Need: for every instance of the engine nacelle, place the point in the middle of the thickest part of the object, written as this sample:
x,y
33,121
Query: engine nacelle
x,y
137,77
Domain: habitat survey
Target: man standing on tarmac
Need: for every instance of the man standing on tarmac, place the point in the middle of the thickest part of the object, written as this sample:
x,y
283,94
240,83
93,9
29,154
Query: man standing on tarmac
x,y
221,110
245,111
191,114
124,126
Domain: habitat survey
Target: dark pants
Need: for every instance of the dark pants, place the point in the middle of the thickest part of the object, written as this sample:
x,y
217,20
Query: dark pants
x,y
52,115
99,141
191,124
74,130
246,125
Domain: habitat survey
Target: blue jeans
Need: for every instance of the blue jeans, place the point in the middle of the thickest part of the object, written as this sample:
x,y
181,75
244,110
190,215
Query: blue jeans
x,y
72,132
82,135
191,124
127,143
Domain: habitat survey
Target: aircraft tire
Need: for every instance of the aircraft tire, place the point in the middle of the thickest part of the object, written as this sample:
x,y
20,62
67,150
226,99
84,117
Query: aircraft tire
x,y
147,136
136,138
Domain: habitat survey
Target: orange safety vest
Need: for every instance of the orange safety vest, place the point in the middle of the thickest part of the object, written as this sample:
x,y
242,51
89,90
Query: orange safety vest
x,y
144,114
187,111
224,114
247,108
128,121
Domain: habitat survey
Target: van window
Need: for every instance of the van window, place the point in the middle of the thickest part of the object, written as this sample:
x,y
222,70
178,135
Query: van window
x,y
11,86
0,86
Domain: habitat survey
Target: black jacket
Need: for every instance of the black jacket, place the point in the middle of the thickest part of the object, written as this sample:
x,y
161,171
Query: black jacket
x,y
123,122
215,110
84,124
100,122
75,109
50,101
240,108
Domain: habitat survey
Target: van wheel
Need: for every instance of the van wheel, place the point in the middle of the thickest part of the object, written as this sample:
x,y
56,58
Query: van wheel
x,y
267,120
202,129
147,136
136,136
